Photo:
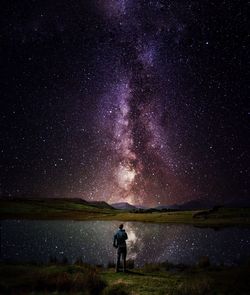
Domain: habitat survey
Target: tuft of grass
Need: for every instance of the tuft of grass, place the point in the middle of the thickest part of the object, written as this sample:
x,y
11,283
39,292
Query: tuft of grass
x,y
79,261
163,266
53,259
203,262
151,267
130,264
53,278
116,289
196,286
111,264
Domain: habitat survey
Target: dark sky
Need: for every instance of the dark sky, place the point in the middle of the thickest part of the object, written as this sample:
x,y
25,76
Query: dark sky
x,y
124,100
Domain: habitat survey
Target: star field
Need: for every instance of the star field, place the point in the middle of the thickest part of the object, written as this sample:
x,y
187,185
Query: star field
x,y
137,101
40,241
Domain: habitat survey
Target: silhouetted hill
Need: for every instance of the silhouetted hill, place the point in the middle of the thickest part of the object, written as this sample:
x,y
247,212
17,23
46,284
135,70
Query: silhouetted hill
x,y
190,205
207,204
75,200
100,204
123,206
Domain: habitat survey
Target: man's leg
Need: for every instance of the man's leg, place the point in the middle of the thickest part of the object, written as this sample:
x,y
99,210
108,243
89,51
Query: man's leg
x,y
118,259
124,255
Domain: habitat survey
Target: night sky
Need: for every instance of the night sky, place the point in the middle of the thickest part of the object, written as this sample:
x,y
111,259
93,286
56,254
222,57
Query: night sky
x,y
123,100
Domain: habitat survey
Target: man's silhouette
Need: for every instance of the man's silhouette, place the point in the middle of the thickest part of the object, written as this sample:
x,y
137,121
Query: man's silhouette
x,y
120,243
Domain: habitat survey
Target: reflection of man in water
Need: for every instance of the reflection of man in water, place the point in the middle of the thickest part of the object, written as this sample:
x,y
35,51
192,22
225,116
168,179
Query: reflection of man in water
x,y
120,243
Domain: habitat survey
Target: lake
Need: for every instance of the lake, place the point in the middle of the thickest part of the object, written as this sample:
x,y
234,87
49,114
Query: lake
x,y
37,241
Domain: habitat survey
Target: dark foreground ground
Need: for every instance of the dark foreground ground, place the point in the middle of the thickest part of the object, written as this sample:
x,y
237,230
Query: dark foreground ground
x,y
152,279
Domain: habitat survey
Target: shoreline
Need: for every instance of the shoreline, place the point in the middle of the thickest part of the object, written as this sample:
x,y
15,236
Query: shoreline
x,y
71,210
214,223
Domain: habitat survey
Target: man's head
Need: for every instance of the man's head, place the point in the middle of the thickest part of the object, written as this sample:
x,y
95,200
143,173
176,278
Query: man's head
x,y
121,226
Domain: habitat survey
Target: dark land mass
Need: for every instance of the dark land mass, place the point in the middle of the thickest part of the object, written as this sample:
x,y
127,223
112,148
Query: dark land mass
x,y
78,209
152,279
124,206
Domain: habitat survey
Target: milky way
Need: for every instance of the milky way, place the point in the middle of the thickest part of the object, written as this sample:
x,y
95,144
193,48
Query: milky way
x,y
132,110
136,101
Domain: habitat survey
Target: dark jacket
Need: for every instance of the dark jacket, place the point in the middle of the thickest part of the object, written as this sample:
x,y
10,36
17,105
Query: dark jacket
x,y
120,238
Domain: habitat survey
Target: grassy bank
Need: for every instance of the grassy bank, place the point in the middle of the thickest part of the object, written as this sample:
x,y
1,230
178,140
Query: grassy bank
x,y
76,210
150,280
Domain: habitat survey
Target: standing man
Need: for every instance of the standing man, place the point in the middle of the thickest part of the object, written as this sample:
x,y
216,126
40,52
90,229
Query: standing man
x,y
120,243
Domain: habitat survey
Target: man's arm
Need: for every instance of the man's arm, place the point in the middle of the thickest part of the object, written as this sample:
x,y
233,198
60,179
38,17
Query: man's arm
x,y
125,236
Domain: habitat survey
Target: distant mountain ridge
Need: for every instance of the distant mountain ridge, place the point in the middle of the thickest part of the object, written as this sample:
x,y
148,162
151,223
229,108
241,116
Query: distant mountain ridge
x,y
97,204
100,204
190,205
206,204
123,206
197,204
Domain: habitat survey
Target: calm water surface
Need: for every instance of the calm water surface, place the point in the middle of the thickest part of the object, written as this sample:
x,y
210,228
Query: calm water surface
x,y
37,241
